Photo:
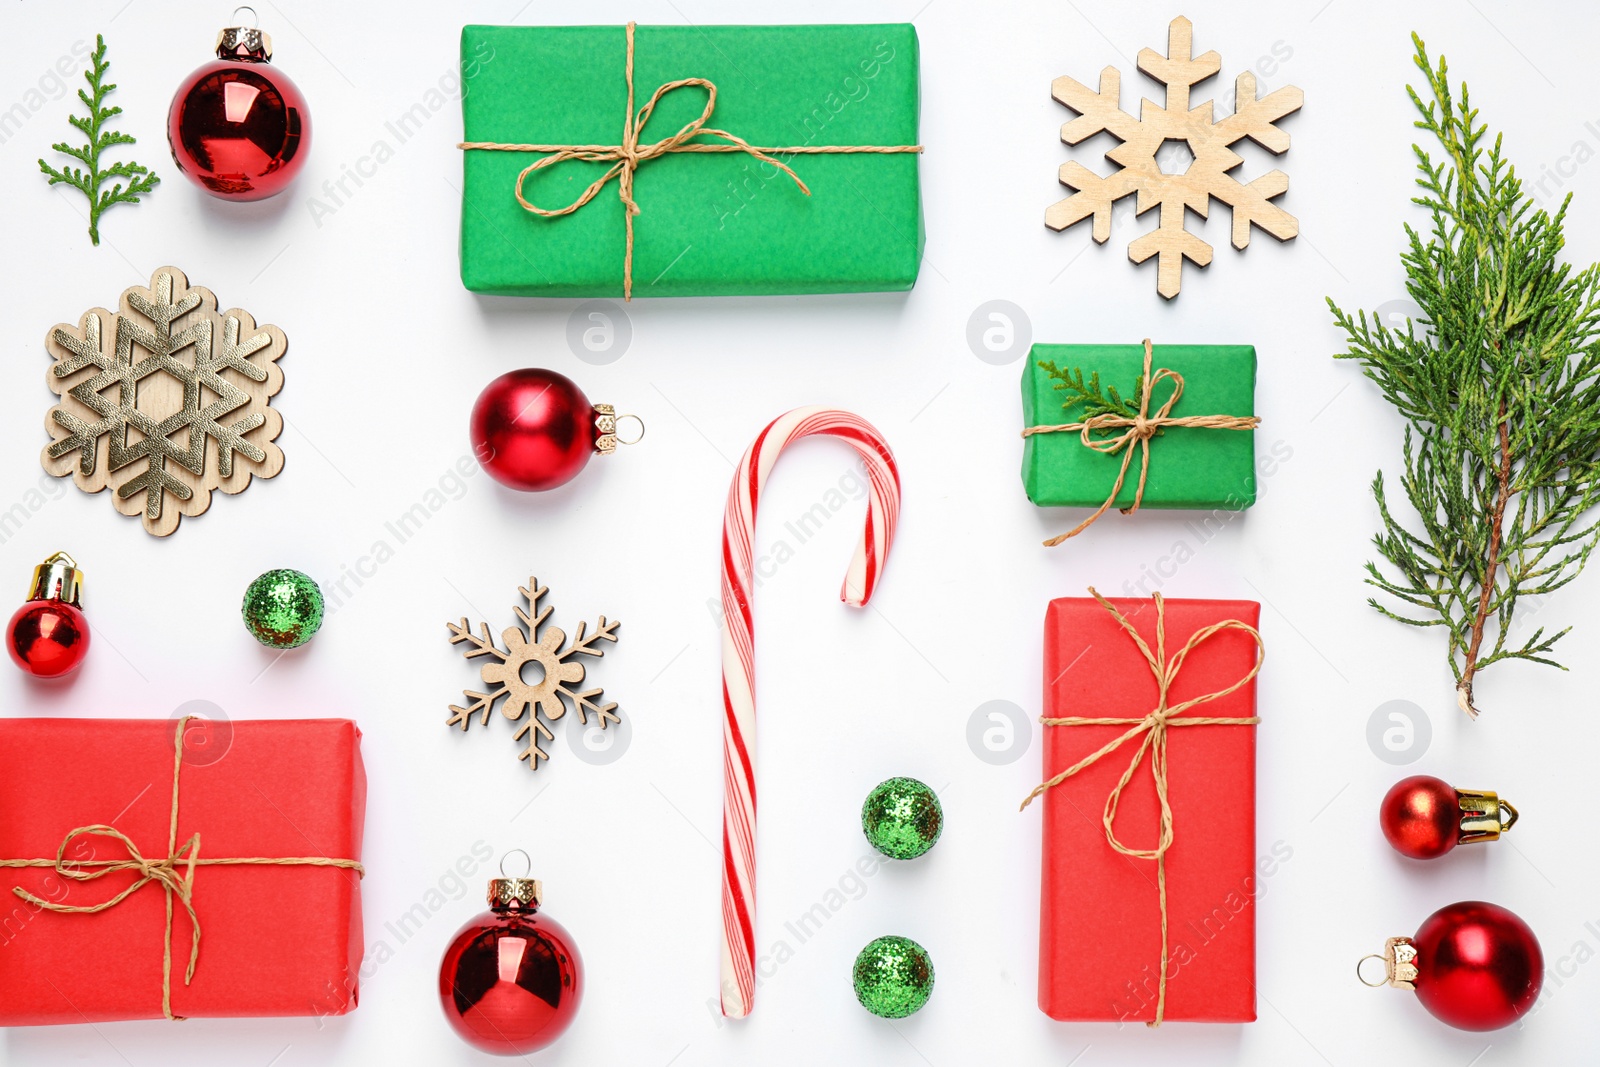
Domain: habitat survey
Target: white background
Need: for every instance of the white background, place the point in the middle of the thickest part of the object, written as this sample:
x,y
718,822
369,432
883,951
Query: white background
x,y
387,352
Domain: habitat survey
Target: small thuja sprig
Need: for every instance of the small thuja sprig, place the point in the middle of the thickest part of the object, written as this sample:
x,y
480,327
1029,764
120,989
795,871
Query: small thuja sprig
x,y
1500,390
141,180
1088,392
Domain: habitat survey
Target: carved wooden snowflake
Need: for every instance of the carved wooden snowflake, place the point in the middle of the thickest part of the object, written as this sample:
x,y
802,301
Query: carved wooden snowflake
x,y
164,401
533,673
1206,177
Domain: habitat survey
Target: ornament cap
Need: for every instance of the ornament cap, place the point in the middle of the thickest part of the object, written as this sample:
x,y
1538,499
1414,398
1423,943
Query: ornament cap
x,y
522,894
58,578
247,43
1399,964
1484,816
515,891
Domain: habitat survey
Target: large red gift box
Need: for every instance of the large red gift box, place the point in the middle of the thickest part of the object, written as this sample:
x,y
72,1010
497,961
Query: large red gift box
x,y
276,938
1100,928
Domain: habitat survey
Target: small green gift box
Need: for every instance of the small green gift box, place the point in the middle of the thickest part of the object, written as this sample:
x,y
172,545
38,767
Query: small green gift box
x,y
677,160
1189,434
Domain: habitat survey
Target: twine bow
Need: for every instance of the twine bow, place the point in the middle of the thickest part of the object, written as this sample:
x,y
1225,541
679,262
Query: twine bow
x,y
626,157
172,873
1138,430
1152,731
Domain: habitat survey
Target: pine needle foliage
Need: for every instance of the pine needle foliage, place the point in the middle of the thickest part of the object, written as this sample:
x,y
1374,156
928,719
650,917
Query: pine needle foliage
x,y
140,180
1096,400
1499,384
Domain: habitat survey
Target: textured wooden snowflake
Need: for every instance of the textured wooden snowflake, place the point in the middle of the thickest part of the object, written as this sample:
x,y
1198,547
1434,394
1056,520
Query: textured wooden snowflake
x,y
1209,141
164,401
533,673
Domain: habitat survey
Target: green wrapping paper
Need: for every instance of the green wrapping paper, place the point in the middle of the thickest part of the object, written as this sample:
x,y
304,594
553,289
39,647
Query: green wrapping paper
x,y
1190,467
708,224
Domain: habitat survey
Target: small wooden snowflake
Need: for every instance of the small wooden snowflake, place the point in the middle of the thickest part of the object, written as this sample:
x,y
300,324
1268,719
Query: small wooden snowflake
x,y
533,673
1210,174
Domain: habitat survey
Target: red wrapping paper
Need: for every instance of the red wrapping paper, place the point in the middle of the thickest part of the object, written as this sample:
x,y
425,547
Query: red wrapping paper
x,y
1100,915
276,940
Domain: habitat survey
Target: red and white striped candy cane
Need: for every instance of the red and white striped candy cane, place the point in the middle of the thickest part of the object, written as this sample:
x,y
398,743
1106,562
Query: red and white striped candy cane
x,y
738,656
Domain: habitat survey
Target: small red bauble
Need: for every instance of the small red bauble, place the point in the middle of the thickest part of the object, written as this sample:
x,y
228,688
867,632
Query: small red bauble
x,y
533,429
1473,965
238,126
49,636
511,980
1424,817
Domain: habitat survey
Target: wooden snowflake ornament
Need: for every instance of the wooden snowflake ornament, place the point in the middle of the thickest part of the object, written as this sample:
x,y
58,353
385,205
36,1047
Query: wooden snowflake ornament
x,y
164,401
1208,139
533,673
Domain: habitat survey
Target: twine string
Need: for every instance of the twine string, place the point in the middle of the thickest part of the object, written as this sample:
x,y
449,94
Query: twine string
x,y
626,157
1151,730
173,873
1137,430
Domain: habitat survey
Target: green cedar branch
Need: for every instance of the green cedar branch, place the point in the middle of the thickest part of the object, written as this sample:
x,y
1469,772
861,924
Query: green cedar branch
x,y
1088,392
1499,383
140,179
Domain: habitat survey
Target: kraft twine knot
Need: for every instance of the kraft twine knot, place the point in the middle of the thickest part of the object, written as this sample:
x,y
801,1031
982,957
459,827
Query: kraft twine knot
x,y
1151,729
172,873
626,157
1139,429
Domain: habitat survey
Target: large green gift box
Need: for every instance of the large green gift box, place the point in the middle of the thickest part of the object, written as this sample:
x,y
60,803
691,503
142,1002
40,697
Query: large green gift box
x,y
707,223
1190,466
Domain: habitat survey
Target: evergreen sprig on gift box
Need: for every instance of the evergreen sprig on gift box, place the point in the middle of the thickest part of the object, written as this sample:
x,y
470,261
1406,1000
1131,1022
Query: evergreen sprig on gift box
x,y
140,179
1088,392
1499,383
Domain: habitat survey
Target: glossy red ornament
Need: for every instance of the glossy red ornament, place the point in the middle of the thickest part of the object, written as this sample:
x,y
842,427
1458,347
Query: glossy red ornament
x,y
239,127
512,979
533,429
49,635
1473,965
1424,817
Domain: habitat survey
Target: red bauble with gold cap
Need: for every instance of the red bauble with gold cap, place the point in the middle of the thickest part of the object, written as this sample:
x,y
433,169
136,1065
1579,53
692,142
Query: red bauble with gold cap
x,y
534,429
239,127
1473,965
511,980
49,636
1424,817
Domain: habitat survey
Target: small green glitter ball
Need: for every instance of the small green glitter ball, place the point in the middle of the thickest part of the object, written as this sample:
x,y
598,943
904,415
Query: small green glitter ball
x,y
282,608
893,977
902,818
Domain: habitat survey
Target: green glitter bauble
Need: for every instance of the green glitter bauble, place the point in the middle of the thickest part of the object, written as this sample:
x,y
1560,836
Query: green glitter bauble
x,y
902,818
282,608
893,977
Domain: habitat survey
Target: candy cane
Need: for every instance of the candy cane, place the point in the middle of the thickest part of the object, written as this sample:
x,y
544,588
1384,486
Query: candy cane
x,y
738,656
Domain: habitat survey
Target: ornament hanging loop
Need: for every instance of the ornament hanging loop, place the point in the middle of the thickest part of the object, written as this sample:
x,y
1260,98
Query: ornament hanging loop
x,y
636,421
527,863
255,19
1361,975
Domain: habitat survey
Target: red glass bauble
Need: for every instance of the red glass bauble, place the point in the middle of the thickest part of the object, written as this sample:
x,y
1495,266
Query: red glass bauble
x,y
1479,966
48,638
1421,817
511,981
239,128
533,429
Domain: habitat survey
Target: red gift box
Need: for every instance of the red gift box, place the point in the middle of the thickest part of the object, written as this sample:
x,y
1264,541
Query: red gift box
x,y
1100,927
262,849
